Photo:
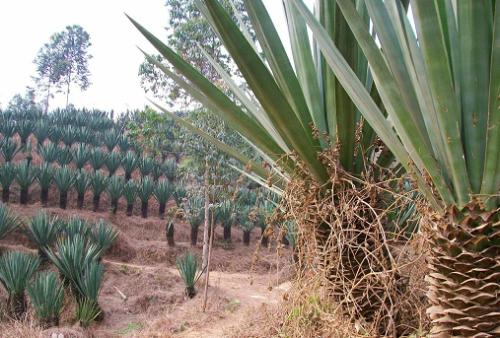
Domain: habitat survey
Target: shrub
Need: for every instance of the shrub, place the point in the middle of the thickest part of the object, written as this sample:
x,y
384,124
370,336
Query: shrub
x,y
25,175
129,163
115,190
113,162
99,183
8,222
163,192
47,296
64,178
130,194
188,268
45,176
144,191
43,230
48,152
16,269
81,155
8,173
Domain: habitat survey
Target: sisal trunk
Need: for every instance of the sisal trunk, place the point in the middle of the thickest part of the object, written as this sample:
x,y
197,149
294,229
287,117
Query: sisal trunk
x,y
24,196
114,206
5,195
161,210
194,236
246,238
79,200
130,208
227,234
17,305
144,209
44,196
464,278
170,234
63,199
96,200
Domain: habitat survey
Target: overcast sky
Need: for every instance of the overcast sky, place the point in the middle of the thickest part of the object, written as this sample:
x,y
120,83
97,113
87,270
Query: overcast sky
x,y
25,25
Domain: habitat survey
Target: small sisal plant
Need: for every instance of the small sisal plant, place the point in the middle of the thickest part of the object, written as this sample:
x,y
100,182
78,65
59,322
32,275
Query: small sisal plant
x,y
46,295
188,268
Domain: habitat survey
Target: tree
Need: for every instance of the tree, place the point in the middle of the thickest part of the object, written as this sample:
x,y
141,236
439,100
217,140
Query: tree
x,y
187,31
63,61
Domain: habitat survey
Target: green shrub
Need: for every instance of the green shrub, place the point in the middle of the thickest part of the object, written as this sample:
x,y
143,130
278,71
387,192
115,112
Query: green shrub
x,y
188,268
16,269
47,296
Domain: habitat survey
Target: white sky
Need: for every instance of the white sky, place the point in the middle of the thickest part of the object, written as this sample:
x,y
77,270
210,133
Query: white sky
x,y
25,25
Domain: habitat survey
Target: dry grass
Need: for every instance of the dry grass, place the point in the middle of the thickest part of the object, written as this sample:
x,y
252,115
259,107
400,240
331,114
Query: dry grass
x,y
354,278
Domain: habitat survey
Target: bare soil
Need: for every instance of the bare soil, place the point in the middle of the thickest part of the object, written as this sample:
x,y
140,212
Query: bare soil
x,y
142,293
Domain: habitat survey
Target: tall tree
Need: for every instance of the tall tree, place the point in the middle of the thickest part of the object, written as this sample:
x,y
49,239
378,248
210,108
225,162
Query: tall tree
x,y
188,32
63,61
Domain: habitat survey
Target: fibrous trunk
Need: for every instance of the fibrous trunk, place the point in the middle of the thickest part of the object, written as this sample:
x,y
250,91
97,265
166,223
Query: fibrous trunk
x,y
161,210
227,234
114,206
5,195
63,199
194,236
17,305
464,290
80,199
130,208
44,196
96,201
190,291
246,237
24,196
128,176
144,209
170,234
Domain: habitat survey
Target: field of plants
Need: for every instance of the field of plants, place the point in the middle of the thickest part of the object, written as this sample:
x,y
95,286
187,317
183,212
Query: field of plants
x,y
83,207
333,173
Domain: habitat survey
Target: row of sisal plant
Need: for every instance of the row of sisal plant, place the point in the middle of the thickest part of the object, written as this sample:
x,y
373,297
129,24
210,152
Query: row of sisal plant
x,y
74,247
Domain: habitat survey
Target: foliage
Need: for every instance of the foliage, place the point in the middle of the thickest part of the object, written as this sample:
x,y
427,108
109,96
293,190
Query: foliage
x,y
87,311
194,210
97,158
16,269
145,165
49,152
98,182
81,181
163,191
81,155
45,175
8,222
113,161
130,192
7,175
129,162
188,267
145,189
64,61
25,175
46,295
9,149
43,230
64,178
103,236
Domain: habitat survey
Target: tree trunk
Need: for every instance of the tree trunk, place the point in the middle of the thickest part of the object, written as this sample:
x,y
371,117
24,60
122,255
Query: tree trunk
x,y
144,209
5,194
170,233
63,199
17,305
43,256
246,238
128,176
24,196
464,279
96,200
194,236
227,234
67,91
190,291
264,240
130,208
114,206
48,97
161,211
207,218
79,200
44,196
